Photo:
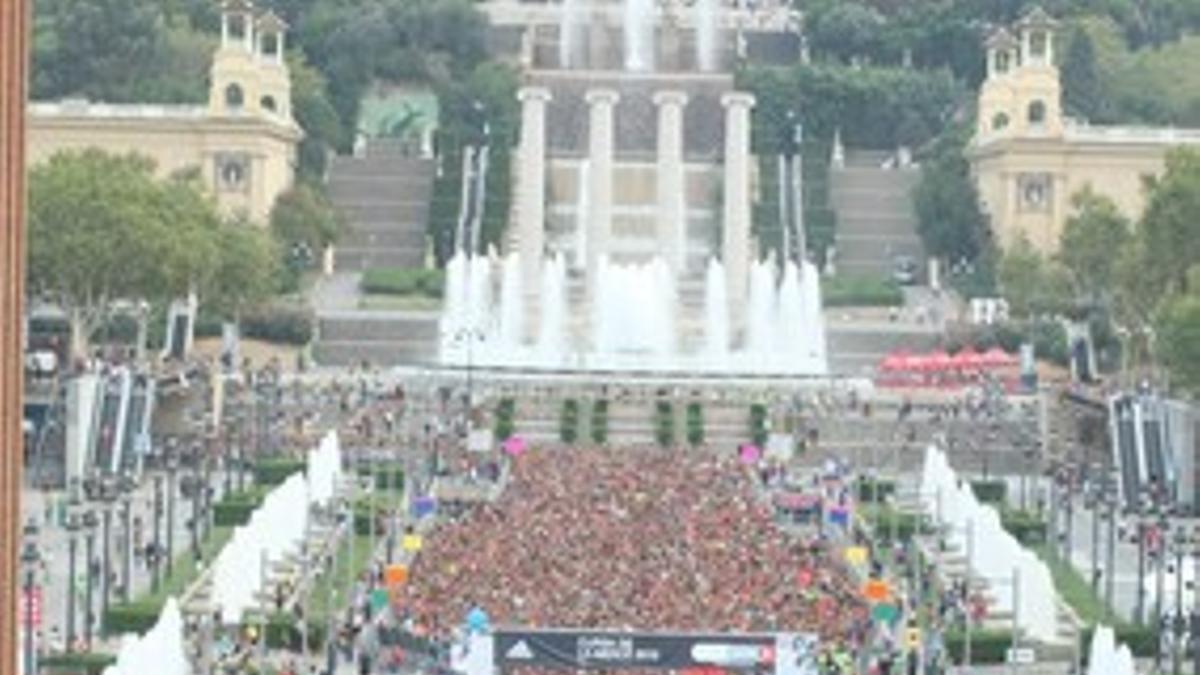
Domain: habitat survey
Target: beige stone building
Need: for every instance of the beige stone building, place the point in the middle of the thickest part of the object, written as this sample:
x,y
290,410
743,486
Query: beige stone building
x,y
243,142
1029,159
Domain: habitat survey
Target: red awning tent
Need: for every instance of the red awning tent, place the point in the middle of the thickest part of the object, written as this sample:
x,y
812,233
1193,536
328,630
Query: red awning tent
x,y
940,361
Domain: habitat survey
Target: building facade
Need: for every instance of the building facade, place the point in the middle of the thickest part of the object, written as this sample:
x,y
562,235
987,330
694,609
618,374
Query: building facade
x,y
242,142
1029,159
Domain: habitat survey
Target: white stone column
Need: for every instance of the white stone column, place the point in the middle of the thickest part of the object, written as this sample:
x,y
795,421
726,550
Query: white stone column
x,y
735,241
532,196
672,200
601,103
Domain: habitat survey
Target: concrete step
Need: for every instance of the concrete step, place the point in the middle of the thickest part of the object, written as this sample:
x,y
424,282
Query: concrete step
x,y
380,353
370,327
382,212
384,237
378,166
359,259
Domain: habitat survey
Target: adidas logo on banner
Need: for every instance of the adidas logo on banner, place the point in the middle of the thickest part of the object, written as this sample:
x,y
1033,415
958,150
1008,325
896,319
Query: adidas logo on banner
x,y
520,650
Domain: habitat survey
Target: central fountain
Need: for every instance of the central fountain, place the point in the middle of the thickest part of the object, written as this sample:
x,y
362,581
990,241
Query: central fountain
x,y
634,246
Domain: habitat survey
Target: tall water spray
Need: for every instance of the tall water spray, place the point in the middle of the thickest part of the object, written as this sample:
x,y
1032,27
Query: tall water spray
x,y
583,203
639,35
791,311
706,35
716,313
568,35
760,318
813,334
512,304
552,329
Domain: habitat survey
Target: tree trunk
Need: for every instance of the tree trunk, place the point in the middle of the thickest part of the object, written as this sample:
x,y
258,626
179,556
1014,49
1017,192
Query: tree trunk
x,y
80,338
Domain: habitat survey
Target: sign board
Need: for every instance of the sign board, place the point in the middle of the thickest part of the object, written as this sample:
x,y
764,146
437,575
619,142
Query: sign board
x,y
912,638
884,613
379,600
1021,655
480,440
876,590
412,543
31,607
606,649
856,555
395,575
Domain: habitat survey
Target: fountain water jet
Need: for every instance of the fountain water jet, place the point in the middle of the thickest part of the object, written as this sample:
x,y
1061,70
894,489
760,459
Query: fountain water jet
x,y
639,35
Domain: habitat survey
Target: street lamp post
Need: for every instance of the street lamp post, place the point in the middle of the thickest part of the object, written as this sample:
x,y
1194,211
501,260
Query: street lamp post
x,y
30,557
107,496
89,547
73,527
155,559
126,487
172,467
1110,576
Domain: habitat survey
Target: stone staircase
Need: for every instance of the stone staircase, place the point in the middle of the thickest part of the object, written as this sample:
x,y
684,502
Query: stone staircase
x,y
385,196
381,338
876,221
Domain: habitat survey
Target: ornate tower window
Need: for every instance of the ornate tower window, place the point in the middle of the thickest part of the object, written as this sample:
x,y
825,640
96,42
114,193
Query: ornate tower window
x,y
1034,192
232,172
1037,113
999,121
268,103
235,98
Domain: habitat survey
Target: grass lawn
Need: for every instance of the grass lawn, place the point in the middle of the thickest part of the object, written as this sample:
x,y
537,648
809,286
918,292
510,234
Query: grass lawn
x,y
319,599
185,571
1073,587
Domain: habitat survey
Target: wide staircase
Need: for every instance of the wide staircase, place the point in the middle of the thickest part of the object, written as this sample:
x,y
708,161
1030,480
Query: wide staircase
x,y
385,196
875,217
384,193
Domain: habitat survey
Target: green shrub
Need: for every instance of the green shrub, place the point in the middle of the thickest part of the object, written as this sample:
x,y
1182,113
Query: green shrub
x,y
600,422
990,491
132,617
505,412
403,281
664,424
887,520
1026,526
275,471
987,646
849,291
568,428
84,663
235,509
695,424
283,632
872,491
279,325
1141,640
758,424
386,475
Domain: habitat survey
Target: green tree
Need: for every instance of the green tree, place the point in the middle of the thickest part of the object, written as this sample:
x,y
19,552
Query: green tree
x,y
1135,297
1089,243
102,228
315,114
845,29
1171,221
949,220
304,223
1082,92
247,269
1031,284
1177,342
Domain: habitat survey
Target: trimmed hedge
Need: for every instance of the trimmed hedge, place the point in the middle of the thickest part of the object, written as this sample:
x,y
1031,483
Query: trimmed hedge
x,y
283,632
1026,526
886,520
987,646
279,325
990,491
664,424
600,422
868,490
850,291
1142,640
275,471
133,617
568,426
404,281
505,413
235,509
695,424
758,424
89,663
382,480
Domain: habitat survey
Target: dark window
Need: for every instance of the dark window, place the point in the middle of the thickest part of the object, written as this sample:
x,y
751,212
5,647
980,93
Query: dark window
x,y
1037,113
234,98
268,103
999,121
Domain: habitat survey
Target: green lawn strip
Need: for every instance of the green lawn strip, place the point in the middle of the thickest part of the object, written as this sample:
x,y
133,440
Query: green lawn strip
x,y
140,614
319,598
1074,589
